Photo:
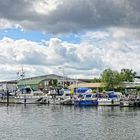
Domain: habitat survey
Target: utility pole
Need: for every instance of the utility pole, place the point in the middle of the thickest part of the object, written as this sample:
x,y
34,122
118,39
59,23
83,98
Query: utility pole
x,y
62,68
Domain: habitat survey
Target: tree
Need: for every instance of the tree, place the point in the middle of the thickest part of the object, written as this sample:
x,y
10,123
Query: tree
x,y
53,83
127,75
110,79
95,80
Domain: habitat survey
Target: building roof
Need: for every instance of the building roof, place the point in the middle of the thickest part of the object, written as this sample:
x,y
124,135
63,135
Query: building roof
x,y
30,81
99,85
90,85
9,82
50,76
36,80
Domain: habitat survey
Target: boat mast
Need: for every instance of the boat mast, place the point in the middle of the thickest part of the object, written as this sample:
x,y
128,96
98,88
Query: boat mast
x,y
21,75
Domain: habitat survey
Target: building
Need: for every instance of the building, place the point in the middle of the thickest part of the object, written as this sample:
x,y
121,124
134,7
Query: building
x,y
88,84
44,82
8,86
52,80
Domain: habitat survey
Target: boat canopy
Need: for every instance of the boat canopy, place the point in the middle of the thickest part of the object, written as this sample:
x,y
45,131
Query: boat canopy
x,y
112,94
82,90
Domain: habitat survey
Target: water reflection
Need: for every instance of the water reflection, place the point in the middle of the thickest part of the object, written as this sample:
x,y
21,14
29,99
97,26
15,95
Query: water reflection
x,y
127,109
55,122
107,108
85,108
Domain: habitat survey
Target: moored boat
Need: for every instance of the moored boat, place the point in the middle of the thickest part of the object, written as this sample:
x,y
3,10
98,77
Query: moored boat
x,y
63,97
27,95
108,102
136,101
86,99
111,98
126,102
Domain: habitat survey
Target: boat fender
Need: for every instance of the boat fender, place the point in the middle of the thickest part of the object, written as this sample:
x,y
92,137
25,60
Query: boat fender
x,y
112,101
16,94
48,102
25,100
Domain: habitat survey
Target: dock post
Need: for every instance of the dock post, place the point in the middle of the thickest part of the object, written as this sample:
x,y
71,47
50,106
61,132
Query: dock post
x,y
7,98
25,99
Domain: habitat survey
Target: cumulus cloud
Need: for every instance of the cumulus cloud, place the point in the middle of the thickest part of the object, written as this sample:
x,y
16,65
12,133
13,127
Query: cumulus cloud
x,y
83,59
4,24
108,31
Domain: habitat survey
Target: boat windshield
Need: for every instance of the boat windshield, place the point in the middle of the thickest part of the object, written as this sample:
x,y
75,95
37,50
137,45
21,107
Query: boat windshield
x,y
34,89
67,94
80,96
88,96
25,90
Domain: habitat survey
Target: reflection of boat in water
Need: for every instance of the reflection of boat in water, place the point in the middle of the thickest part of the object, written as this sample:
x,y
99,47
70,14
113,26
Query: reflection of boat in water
x,y
86,99
27,95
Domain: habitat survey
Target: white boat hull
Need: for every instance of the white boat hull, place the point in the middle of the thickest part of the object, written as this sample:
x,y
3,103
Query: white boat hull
x,y
108,102
126,103
30,100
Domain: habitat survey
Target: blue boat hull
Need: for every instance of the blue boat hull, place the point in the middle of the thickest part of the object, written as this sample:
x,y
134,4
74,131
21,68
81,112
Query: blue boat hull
x,y
86,103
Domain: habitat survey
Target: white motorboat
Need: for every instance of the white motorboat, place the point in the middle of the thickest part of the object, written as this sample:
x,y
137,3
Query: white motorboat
x,y
63,97
86,99
27,95
127,102
110,99
108,102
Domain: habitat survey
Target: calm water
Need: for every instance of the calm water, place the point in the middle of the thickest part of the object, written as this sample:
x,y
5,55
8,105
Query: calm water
x,y
33,122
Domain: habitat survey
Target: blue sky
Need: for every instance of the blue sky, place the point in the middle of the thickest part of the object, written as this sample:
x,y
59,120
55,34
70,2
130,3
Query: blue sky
x,y
83,37
19,34
36,35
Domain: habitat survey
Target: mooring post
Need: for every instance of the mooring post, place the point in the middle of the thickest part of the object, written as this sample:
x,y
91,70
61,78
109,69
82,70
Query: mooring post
x,y
7,98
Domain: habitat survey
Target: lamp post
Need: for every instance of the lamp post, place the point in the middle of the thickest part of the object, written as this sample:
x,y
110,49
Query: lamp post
x,y
76,82
62,68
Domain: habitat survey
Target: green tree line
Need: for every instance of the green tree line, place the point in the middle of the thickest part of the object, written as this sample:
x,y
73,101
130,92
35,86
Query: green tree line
x,y
113,79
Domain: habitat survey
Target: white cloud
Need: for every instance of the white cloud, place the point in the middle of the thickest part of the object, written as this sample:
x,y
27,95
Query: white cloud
x,y
110,39
85,59
5,24
44,7
95,36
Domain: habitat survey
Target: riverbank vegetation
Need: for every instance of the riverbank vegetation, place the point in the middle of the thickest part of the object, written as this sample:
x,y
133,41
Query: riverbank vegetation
x,y
112,79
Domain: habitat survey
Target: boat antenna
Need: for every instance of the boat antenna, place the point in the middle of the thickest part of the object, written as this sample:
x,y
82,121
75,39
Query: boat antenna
x,y
22,75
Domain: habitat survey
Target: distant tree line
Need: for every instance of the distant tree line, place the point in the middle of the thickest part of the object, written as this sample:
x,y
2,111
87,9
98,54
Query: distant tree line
x,y
113,79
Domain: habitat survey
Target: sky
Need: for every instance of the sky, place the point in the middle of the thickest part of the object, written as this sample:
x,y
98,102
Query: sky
x,y
75,38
